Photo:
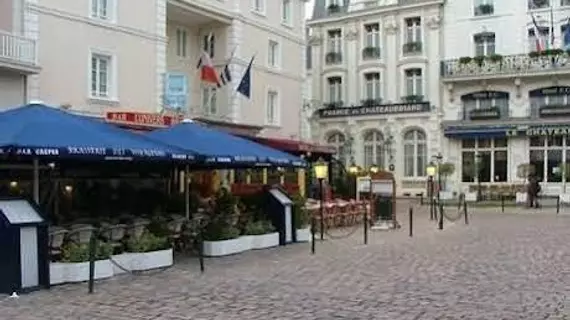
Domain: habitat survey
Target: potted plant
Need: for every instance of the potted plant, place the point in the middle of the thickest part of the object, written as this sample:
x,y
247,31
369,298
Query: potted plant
x,y
333,8
465,60
479,60
261,234
523,171
413,98
534,54
74,265
446,169
495,58
221,236
301,218
144,253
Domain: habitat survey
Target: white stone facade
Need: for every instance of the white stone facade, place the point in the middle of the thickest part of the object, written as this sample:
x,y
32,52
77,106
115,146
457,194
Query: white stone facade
x,y
401,141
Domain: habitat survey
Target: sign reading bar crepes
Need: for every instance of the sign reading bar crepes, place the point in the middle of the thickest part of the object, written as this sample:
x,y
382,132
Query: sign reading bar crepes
x,y
375,110
142,119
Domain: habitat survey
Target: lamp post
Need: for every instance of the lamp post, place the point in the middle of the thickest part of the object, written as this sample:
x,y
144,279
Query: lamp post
x,y
439,157
353,171
478,157
321,169
372,170
430,170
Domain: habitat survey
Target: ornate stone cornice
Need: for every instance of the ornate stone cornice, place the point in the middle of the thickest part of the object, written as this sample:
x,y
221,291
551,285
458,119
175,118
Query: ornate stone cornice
x,y
390,25
434,22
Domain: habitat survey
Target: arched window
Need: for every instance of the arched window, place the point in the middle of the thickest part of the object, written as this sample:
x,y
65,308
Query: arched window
x,y
338,140
373,149
415,153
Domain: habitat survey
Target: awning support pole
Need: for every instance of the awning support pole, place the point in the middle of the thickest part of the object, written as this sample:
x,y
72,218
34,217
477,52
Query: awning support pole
x,y
187,191
36,181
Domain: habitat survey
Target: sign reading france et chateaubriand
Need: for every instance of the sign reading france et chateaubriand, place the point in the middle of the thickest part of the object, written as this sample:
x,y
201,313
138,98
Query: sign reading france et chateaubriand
x,y
375,110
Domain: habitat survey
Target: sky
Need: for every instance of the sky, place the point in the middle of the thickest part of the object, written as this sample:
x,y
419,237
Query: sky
x,y
309,9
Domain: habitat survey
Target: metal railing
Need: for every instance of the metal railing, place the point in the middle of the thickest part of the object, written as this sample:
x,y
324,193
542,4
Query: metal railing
x,y
18,49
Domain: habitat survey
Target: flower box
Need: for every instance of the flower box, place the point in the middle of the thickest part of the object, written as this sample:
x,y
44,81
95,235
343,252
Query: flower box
x,y
141,261
304,235
521,197
265,240
64,272
227,247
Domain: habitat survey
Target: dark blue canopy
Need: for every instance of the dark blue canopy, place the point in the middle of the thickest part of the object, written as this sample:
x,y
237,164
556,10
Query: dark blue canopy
x,y
41,131
222,148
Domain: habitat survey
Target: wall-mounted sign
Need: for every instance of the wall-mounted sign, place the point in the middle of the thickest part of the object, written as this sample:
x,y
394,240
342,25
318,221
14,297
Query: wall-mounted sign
x,y
550,91
554,110
142,119
484,95
412,107
485,114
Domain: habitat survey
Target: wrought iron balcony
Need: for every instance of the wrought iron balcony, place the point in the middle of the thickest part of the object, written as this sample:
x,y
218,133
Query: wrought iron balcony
x,y
412,48
506,66
371,53
18,53
333,58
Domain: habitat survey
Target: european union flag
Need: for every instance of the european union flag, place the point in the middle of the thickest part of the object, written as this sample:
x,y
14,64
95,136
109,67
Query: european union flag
x,y
245,84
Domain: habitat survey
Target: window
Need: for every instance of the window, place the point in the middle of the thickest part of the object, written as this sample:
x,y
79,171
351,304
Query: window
x,y
335,89
540,42
259,6
209,44
564,3
101,9
286,12
335,40
209,101
548,155
558,99
484,7
538,4
337,141
272,108
273,54
175,91
373,149
372,35
484,44
181,43
415,153
414,85
100,76
413,30
500,101
372,86
484,160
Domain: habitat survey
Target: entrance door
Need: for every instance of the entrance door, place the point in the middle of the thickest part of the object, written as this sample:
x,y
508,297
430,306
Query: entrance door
x,y
29,257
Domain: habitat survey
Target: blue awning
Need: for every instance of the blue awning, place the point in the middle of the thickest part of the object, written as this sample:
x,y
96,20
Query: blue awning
x,y
220,148
37,130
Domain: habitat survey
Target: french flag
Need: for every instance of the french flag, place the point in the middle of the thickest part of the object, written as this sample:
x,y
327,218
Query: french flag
x,y
208,73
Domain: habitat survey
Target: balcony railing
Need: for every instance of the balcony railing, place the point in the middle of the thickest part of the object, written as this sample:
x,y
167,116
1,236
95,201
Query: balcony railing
x,y
512,65
333,58
370,53
17,49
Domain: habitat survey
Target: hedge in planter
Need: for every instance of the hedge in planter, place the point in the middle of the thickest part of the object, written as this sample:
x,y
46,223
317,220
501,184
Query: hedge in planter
x,y
74,266
261,234
145,253
301,219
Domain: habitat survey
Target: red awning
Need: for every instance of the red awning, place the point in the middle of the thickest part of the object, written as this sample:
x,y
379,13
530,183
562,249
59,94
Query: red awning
x,y
289,145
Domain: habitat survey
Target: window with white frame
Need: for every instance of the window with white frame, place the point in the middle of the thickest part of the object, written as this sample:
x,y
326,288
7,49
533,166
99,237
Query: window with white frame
x,y
372,86
334,89
209,44
484,160
259,6
415,153
286,12
414,82
372,35
101,85
209,100
484,7
485,100
181,43
273,54
540,42
335,41
373,143
549,156
272,108
413,30
548,97
484,44
337,140
101,9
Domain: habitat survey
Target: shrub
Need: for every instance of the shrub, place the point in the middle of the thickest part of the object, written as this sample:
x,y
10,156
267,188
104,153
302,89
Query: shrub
x,y
148,242
75,253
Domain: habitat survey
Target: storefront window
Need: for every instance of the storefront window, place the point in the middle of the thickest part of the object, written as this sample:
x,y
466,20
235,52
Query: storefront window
x,y
273,176
291,176
493,156
256,175
547,154
240,176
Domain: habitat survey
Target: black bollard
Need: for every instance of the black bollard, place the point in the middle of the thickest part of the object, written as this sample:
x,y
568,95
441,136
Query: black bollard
x,y
92,254
421,199
431,213
313,234
558,205
465,214
440,217
502,203
411,221
201,250
366,223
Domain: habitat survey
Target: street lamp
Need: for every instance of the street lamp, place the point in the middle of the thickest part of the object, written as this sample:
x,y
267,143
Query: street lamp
x,y
353,168
438,158
478,157
321,169
430,170
374,168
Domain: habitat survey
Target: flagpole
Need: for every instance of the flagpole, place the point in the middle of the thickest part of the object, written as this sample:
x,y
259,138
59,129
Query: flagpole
x,y
551,27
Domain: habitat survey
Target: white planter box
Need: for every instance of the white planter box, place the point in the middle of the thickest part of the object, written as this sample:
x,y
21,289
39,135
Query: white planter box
x,y
471,196
520,197
226,247
304,235
565,198
265,240
62,272
446,195
140,261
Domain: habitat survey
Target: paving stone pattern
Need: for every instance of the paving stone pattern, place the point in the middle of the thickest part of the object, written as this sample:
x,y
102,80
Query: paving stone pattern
x,y
500,266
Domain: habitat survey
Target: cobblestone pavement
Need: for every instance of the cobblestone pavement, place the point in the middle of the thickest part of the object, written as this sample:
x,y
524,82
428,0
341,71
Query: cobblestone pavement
x,y
500,266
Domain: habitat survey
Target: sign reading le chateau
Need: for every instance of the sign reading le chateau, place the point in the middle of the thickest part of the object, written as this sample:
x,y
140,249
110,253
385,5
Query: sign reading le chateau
x,y
375,110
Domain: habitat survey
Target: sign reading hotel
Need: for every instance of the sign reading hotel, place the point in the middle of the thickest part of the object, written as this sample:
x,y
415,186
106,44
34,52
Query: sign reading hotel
x,y
375,110
142,119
